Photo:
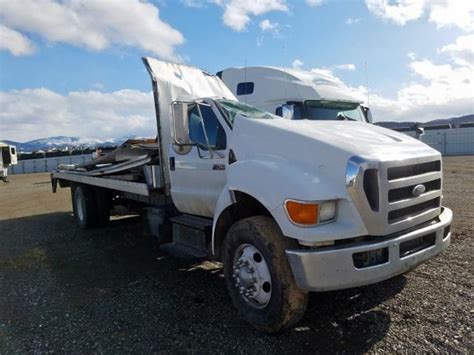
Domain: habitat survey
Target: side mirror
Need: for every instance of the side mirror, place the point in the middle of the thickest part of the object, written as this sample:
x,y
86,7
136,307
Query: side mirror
x,y
179,112
419,131
285,111
368,114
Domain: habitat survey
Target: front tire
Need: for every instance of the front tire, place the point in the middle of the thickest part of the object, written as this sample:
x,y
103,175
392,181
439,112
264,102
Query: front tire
x,y
258,276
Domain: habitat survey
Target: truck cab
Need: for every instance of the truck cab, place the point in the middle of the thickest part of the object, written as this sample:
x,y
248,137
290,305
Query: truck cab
x,y
295,94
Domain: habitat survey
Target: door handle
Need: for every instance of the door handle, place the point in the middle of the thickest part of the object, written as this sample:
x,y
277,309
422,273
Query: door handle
x,y
172,164
218,167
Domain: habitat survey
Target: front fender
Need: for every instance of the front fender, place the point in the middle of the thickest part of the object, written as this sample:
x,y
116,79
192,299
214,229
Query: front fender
x,y
225,200
273,180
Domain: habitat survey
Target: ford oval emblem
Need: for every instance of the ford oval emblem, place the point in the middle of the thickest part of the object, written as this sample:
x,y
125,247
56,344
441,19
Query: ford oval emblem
x,y
418,190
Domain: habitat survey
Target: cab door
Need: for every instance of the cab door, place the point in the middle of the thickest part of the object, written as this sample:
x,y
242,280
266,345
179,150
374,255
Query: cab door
x,y
197,173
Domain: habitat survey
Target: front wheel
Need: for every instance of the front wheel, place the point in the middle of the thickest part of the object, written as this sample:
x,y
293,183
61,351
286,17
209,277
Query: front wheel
x,y
258,275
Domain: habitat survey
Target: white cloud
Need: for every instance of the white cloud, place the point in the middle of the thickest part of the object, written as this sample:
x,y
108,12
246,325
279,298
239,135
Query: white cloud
x,y
459,13
94,24
297,64
436,91
15,42
443,13
400,13
267,25
462,51
441,91
237,12
34,113
412,55
193,3
352,21
314,3
350,67
98,86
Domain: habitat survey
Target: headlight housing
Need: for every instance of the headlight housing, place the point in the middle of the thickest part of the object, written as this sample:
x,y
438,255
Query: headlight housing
x,y
310,213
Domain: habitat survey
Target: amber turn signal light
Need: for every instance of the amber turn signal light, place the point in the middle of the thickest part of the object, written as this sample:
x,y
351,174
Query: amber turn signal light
x,y
302,213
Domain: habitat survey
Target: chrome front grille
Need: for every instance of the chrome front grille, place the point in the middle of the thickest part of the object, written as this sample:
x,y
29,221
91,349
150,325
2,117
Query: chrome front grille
x,y
395,195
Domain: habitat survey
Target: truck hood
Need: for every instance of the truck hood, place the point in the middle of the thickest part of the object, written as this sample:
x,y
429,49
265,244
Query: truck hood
x,y
348,138
314,153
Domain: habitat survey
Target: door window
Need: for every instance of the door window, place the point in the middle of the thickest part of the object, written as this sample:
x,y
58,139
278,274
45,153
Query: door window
x,y
214,131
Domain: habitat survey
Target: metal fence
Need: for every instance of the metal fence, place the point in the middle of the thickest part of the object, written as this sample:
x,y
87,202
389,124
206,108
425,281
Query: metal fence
x,y
44,165
453,141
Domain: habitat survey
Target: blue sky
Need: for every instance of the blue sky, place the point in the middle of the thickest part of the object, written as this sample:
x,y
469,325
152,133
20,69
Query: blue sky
x,y
57,72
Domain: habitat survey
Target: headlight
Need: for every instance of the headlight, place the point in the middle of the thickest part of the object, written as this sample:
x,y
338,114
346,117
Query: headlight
x,y
307,214
327,211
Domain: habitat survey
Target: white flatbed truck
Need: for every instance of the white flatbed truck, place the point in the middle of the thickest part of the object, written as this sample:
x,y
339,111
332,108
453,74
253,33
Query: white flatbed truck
x,y
288,206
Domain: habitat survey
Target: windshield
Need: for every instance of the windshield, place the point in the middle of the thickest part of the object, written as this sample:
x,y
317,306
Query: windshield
x,y
333,110
233,108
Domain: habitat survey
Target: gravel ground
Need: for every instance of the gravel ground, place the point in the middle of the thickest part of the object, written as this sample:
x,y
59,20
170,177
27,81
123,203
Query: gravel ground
x,y
67,290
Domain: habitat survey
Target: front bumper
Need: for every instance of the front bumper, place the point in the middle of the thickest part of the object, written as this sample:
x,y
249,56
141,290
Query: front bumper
x,y
334,268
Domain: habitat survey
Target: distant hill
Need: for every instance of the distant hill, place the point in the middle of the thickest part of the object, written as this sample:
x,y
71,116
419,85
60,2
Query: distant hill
x,y
456,121
62,142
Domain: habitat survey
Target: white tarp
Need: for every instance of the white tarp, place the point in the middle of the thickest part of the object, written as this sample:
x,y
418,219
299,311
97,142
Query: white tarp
x,y
178,82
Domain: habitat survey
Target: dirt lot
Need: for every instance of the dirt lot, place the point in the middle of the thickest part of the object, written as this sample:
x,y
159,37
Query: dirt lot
x,y
67,290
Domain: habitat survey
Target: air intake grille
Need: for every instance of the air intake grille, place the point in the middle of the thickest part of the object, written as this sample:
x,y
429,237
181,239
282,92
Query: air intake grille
x,y
406,212
415,169
395,195
413,190
406,192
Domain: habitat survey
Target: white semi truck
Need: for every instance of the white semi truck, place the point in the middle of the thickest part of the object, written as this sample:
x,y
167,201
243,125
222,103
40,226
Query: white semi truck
x,y
288,206
8,157
295,94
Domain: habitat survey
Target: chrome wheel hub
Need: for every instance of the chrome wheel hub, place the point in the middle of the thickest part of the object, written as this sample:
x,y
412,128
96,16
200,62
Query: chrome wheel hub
x,y
251,276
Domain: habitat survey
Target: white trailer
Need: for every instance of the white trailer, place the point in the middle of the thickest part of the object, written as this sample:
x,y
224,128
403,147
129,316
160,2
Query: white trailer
x,y
288,206
8,156
295,94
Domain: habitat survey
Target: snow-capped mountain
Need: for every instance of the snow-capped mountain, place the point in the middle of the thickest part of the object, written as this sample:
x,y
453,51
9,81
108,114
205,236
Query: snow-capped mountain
x,y
62,142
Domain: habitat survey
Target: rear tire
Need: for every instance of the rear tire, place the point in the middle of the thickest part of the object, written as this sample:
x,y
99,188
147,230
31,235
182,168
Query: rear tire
x,y
85,207
258,275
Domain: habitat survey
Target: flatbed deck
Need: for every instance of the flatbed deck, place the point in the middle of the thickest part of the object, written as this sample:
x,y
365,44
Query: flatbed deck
x,y
138,188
